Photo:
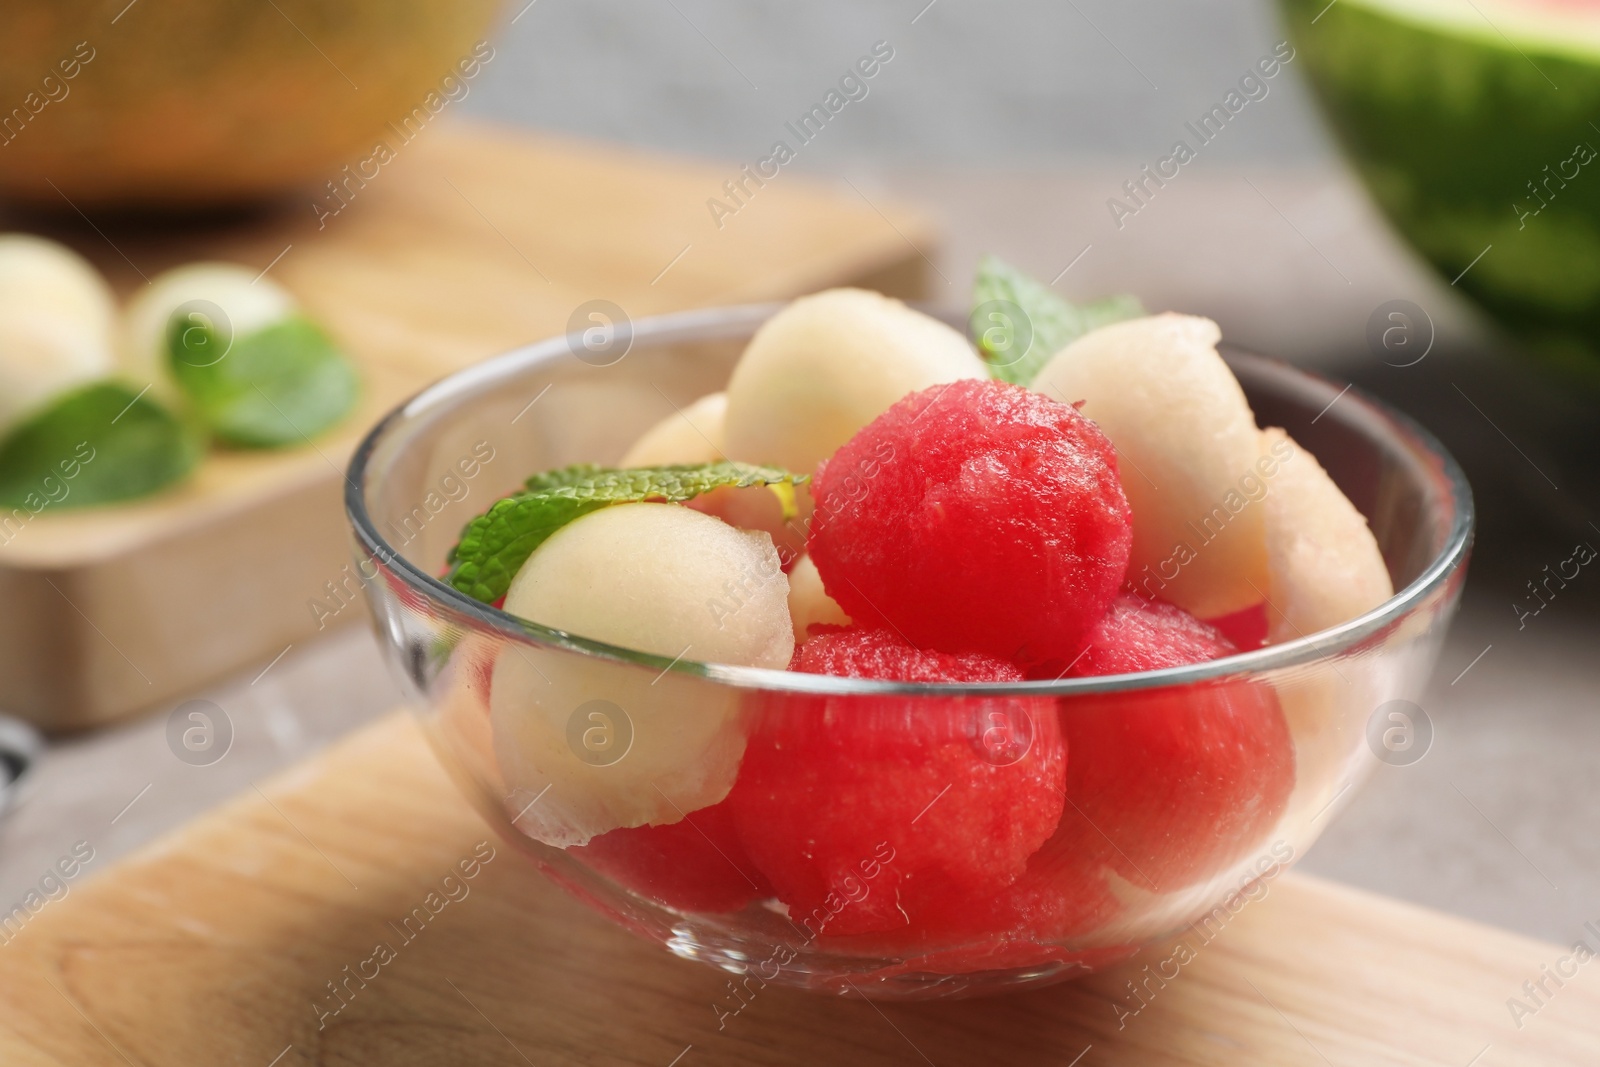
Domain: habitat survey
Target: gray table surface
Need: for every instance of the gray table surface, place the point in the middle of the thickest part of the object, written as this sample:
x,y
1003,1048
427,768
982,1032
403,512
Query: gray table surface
x,y
1495,823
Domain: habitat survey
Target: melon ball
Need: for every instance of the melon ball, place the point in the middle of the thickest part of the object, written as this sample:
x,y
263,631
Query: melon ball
x,y
56,315
38,275
828,364
232,300
809,603
622,745
1323,563
1187,448
692,435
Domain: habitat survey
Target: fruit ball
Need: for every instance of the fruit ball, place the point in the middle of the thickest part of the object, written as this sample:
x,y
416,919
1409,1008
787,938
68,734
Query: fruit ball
x,y
1322,560
617,745
1147,635
692,434
1189,448
828,364
849,805
1172,785
975,516
693,865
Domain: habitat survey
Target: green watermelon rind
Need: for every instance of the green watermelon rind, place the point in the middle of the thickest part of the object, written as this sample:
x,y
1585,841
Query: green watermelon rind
x,y
1446,126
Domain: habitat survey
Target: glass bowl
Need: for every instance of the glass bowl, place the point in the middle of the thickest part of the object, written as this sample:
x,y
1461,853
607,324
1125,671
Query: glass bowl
x,y
899,840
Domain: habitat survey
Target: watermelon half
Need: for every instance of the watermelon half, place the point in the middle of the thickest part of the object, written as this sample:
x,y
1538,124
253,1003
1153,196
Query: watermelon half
x,y
1476,125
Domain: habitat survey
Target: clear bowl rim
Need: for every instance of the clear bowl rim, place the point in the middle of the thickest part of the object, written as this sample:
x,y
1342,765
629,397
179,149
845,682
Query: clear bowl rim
x,y
730,321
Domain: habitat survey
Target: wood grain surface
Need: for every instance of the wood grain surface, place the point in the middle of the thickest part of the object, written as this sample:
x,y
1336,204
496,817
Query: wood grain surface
x,y
471,242
216,945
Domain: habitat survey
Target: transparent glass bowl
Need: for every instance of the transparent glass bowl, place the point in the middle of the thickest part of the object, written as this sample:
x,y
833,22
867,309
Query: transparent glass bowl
x,y
894,821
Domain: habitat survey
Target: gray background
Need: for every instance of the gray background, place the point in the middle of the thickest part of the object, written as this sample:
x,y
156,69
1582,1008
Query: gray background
x,y
992,84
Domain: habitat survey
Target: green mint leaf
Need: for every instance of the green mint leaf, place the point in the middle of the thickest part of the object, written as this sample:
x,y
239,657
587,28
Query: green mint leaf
x,y
555,479
495,545
280,385
1019,323
97,444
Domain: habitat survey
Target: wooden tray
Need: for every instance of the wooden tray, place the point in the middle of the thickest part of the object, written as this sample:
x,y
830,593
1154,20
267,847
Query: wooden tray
x,y
471,242
217,944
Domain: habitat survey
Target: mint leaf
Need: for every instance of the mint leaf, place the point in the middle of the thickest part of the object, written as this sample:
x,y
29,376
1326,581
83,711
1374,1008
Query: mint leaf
x,y
278,386
97,444
555,479
1019,323
495,545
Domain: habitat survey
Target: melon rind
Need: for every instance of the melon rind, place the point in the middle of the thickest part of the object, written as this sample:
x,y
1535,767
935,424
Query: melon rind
x,y
1448,112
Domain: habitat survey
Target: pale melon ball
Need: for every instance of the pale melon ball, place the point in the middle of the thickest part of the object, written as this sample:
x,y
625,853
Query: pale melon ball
x,y
809,603
1323,562
828,364
692,435
1187,447
247,301
620,745
56,315
42,357
38,276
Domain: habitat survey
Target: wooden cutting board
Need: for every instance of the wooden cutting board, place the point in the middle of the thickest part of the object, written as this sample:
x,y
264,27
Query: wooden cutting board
x,y
216,944
472,241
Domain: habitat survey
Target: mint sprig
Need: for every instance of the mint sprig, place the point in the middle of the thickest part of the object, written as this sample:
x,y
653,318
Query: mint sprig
x,y
280,385
495,545
1013,311
97,444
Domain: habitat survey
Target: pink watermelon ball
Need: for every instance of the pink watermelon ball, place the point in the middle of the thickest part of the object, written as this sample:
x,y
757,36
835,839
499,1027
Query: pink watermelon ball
x,y
849,805
975,516
1147,635
692,865
1169,786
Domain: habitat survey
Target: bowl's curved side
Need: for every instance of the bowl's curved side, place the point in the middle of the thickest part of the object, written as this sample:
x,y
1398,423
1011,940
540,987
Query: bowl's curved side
x,y
510,709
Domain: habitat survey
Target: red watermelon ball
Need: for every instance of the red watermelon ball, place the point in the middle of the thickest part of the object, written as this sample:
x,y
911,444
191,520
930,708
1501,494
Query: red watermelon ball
x,y
850,805
1147,635
975,516
1170,786
696,864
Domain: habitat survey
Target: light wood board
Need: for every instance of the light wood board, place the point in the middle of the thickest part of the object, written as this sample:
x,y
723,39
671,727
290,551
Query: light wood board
x,y
471,242
214,945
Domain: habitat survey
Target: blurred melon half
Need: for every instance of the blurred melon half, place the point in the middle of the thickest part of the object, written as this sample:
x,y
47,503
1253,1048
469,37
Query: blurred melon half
x,y
194,103
1473,123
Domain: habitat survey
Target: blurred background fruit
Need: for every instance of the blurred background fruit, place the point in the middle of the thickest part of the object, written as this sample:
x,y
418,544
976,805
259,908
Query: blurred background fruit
x,y
1470,123
197,103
